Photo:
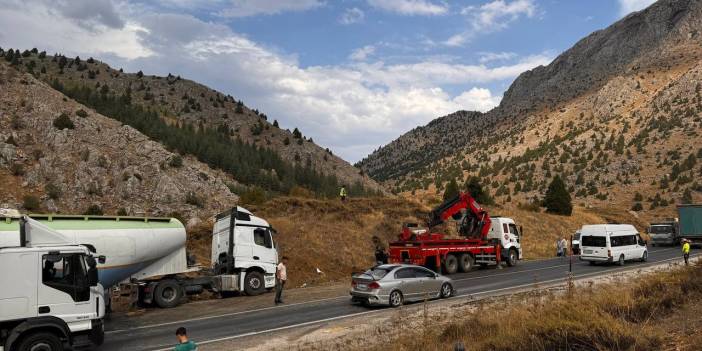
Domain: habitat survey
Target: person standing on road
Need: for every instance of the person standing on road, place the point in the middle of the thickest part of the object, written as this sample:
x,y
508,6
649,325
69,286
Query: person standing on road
x,y
281,275
686,250
183,343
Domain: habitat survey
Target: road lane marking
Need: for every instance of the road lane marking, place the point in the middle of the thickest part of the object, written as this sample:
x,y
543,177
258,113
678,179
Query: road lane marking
x,y
334,298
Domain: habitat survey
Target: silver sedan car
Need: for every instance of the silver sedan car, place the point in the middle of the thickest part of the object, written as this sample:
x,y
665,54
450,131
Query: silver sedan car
x,y
394,284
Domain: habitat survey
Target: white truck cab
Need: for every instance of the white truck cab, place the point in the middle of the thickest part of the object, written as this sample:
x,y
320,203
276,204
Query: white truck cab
x,y
612,243
506,232
50,298
253,250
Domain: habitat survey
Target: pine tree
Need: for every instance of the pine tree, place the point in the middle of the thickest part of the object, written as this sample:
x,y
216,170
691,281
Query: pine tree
x,y
475,189
451,190
557,199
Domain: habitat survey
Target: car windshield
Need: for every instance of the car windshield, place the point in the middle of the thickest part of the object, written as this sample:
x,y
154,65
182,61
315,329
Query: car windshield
x,y
378,272
660,229
596,241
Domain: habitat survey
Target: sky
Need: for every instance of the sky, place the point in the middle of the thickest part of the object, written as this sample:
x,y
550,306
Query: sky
x,y
352,74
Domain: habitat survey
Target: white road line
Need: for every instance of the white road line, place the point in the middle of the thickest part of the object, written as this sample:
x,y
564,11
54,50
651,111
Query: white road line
x,y
331,298
233,337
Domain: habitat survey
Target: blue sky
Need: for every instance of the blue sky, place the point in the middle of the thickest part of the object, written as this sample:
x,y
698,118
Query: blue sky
x,y
352,74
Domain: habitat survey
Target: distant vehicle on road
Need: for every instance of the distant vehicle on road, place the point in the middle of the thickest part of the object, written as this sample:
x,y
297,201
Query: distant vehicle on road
x,y
691,223
394,284
575,243
664,232
612,243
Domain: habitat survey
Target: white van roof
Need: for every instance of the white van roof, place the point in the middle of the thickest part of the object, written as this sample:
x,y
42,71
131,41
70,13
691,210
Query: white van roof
x,y
603,229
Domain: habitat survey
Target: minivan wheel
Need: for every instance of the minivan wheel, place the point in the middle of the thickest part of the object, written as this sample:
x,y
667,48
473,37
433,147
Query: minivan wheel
x,y
446,290
396,298
644,257
621,260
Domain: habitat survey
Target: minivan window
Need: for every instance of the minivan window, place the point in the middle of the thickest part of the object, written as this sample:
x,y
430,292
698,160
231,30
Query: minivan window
x,y
596,241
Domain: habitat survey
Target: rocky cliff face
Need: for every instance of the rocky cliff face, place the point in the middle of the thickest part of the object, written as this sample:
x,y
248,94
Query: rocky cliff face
x,y
85,159
617,115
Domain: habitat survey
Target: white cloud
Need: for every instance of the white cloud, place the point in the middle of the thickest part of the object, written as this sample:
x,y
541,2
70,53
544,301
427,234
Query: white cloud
x,y
486,57
361,54
411,7
493,16
246,8
628,6
352,15
365,104
477,99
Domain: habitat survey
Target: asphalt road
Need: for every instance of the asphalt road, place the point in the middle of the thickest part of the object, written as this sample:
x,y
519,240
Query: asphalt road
x,y
238,325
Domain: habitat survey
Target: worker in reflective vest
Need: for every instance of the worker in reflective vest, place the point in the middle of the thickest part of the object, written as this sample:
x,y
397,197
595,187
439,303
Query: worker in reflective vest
x,y
342,193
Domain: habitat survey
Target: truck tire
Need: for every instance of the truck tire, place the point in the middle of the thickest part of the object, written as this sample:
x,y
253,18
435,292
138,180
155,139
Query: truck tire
x,y
40,341
466,262
168,294
254,283
512,258
450,264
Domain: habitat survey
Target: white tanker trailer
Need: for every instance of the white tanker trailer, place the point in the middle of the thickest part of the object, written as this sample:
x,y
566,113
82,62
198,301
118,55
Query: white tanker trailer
x,y
151,252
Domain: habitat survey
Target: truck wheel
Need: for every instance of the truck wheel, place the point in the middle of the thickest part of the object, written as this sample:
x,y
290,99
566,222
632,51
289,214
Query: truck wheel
x,y
512,258
395,298
450,264
465,263
254,284
40,342
621,260
168,294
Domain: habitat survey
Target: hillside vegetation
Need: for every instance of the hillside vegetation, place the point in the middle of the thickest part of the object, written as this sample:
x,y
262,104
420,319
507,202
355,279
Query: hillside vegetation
x,y
618,116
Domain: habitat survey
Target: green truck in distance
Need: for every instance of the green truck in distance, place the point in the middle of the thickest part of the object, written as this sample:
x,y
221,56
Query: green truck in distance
x,y
691,223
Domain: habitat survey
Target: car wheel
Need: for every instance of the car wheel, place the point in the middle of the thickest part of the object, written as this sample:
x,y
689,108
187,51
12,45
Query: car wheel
x,y
644,257
450,264
40,342
512,258
446,290
396,298
254,284
621,260
168,294
465,263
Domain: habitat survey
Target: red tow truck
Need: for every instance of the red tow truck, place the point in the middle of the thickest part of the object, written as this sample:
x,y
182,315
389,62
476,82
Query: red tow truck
x,y
483,240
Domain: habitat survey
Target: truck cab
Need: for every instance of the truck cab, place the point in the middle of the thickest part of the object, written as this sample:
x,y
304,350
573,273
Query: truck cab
x,y
253,252
50,298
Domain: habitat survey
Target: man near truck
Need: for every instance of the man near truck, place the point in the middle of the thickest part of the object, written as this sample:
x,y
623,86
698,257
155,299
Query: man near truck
x,y
686,250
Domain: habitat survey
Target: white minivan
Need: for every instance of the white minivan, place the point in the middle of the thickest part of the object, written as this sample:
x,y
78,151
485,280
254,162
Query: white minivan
x,y
611,243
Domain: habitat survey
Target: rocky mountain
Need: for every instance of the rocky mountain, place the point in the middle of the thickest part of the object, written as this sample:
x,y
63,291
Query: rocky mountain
x,y
57,155
618,116
184,102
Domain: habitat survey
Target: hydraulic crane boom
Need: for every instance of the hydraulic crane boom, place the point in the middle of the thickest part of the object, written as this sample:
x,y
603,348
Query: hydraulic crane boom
x,y
476,221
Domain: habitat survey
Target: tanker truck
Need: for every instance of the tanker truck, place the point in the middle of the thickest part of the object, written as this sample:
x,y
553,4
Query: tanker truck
x,y
50,298
150,253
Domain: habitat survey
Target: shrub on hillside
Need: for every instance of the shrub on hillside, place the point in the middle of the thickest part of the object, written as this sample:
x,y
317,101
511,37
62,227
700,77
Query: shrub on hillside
x,y
30,202
63,122
557,199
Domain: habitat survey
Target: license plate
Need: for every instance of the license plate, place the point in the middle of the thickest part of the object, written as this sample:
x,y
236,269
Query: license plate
x,y
588,251
362,286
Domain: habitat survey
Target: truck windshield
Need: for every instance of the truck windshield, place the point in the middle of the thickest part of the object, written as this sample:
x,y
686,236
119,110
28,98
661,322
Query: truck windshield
x,y
660,229
596,241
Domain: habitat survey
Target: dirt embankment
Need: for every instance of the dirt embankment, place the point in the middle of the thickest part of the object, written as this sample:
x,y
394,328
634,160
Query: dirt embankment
x,y
336,238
